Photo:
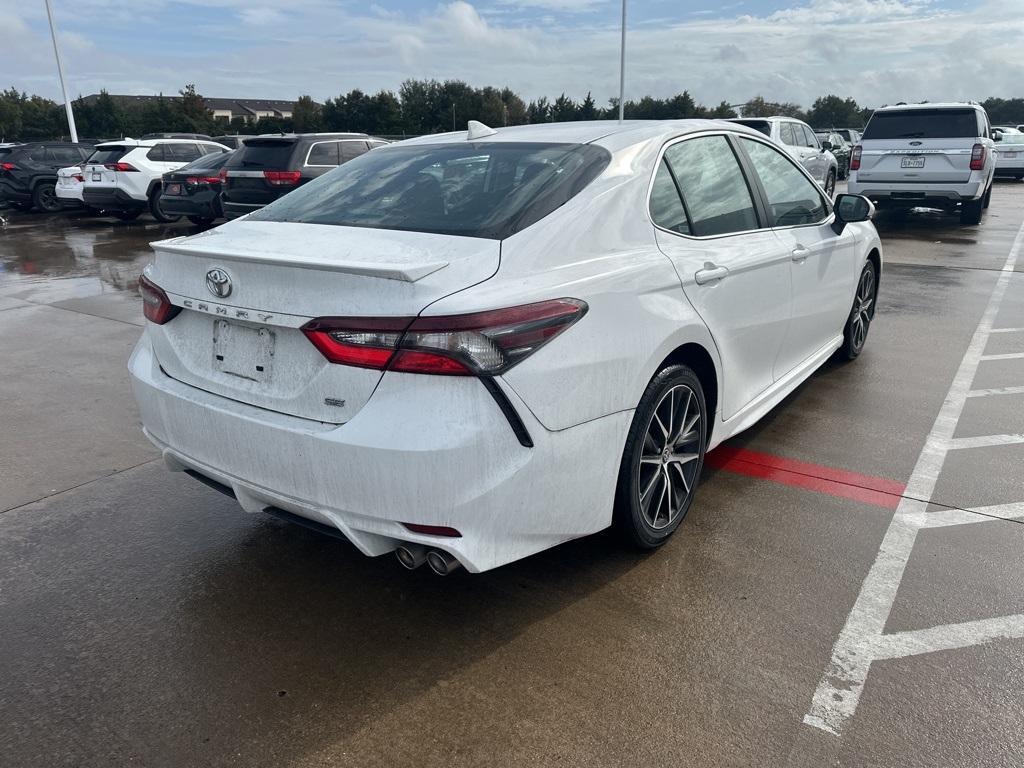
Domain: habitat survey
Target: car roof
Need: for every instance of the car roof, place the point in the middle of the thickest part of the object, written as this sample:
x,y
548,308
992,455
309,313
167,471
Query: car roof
x,y
586,132
930,105
151,142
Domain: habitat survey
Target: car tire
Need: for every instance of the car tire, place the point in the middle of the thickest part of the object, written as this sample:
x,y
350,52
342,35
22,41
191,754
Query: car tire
x,y
156,212
970,211
661,464
200,221
44,197
127,215
830,184
855,334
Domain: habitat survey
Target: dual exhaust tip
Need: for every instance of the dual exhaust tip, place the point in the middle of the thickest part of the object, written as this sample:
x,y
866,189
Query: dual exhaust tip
x,y
412,556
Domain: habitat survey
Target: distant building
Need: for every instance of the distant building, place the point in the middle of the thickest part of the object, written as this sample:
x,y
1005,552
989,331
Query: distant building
x,y
250,110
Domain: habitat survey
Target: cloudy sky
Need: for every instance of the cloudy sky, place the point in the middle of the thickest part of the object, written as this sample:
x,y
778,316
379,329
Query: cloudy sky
x,y
877,51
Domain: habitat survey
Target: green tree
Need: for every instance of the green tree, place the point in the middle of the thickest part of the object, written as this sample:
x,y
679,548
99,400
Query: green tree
x,y
722,111
538,111
758,107
193,111
564,110
587,110
10,114
833,112
307,117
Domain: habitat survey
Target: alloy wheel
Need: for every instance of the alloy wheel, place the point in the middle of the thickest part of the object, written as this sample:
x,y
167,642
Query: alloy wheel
x,y
667,472
863,308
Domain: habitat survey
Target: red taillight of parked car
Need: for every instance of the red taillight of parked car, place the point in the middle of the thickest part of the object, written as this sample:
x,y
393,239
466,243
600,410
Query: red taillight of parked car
x,y
122,167
477,344
7,166
978,157
155,305
855,158
79,178
197,181
282,178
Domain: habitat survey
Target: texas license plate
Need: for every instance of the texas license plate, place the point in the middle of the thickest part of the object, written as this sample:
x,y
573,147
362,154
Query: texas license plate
x,y
173,189
243,351
912,162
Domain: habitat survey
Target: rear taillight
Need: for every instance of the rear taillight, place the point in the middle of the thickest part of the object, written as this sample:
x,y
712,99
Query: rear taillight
x,y
282,178
855,158
978,157
7,166
123,167
196,181
478,344
155,305
223,175
79,177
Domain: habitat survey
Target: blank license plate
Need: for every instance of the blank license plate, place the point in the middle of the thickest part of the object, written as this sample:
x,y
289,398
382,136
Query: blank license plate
x,y
912,162
97,177
173,189
242,351
1008,154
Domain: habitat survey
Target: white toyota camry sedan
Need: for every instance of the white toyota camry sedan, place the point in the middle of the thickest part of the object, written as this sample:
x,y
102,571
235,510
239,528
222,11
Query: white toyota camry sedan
x,y
470,347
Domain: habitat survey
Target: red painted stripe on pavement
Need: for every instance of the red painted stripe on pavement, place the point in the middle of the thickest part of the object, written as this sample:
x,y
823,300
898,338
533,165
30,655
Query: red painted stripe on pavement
x,y
878,491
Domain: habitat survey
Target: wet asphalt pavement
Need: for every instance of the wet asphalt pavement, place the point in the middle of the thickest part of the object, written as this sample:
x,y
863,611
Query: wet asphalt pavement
x,y
146,620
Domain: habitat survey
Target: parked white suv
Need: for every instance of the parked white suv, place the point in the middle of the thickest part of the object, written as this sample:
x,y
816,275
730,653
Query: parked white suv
x,y
123,177
797,138
936,155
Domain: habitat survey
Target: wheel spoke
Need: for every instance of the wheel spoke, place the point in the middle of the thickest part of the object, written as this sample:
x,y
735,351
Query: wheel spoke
x,y
682,474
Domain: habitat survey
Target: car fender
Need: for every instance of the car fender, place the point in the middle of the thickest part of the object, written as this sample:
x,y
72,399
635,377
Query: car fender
x,y
40,179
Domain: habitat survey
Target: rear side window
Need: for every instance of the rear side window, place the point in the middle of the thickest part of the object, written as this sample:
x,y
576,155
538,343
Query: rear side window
x,y
666,206
714,190
922,124
790,135
323,153
65,155
793,199
490,190
108,155
264,154
350,150
157,154
181,153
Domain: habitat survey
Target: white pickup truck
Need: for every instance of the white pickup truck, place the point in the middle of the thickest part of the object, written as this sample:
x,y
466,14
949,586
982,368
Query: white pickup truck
x,y
936,155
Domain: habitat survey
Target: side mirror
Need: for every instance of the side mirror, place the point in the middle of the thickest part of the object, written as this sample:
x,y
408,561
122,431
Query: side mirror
x,y
826,145
850,209
997,135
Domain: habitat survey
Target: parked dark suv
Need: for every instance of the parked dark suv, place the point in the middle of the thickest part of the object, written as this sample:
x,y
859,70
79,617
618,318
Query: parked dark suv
x,y
28,172
267,167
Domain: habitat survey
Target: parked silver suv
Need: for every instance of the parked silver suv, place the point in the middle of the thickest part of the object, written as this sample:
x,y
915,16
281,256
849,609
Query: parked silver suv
x,y
797,138
936,155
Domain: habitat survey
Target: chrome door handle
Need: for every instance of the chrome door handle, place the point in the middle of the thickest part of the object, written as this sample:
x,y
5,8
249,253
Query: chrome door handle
x,y
709,274
800,253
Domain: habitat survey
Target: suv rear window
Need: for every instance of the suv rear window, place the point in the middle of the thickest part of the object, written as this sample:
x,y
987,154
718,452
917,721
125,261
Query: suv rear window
x,y
263,153
922,124
108,155
490,190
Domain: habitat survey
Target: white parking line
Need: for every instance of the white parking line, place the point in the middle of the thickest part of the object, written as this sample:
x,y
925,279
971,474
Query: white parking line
x,y
1007,356
861,640
997,391
1007,330
984,441
946,517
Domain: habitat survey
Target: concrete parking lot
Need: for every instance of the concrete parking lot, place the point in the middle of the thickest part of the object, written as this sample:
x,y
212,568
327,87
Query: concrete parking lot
x,y
847,590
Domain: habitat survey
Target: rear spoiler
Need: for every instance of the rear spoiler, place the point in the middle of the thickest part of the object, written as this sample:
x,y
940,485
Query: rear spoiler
x,y
408,273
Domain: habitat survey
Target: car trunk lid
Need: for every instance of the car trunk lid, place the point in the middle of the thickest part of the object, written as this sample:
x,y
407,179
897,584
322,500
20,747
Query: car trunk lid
x,y
246,343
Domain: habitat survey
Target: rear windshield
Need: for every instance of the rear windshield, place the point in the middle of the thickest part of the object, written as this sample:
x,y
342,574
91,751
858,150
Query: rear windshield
x,y
758,125
482,190
922,124
108,155
263,153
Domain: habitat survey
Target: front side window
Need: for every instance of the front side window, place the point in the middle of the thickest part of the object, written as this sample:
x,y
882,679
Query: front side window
x,y
712,185
793,199
666,206
808,134
490,190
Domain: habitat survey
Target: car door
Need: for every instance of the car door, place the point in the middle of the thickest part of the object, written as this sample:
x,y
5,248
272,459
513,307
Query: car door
x,y
734,270
823,265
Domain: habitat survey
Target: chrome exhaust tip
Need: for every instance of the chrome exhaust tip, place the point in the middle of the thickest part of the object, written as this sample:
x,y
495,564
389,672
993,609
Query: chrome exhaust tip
x,y
411,556
441,562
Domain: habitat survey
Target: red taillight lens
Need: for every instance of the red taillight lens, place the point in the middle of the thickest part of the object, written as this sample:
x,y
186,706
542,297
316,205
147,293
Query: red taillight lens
x,y
282,178
855,158
8,166
196,181
978,157
223,175
482,343
123,167
433,530
78,177
155,305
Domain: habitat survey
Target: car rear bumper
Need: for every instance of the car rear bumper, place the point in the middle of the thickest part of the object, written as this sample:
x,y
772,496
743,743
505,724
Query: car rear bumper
x,y
111,199
14,193
234,210
1010,170
191,205
432,450
917,193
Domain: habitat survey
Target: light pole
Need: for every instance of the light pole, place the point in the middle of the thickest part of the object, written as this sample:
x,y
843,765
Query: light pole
x,y
60,74
622,64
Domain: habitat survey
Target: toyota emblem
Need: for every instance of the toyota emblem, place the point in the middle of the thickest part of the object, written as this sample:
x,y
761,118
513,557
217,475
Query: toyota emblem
x,y
219,283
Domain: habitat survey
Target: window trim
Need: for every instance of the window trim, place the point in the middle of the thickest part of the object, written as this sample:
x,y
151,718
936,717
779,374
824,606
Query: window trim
x,y
829,208
756,198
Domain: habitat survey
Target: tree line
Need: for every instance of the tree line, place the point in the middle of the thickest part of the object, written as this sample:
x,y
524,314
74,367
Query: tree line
x,y
418,107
